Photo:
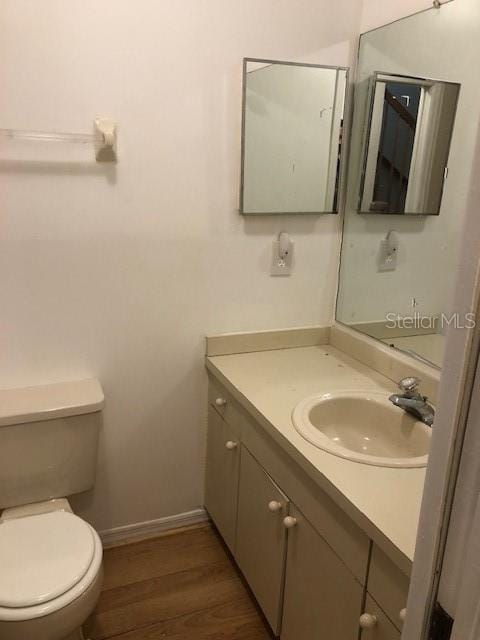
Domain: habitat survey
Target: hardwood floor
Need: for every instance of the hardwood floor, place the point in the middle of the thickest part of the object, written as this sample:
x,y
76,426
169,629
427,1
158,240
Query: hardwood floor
x,y
182,586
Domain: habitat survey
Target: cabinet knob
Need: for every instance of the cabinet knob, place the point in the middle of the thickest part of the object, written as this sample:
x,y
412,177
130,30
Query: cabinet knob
x,y
289,522
231,445
402,615
368,621
274,506
220,402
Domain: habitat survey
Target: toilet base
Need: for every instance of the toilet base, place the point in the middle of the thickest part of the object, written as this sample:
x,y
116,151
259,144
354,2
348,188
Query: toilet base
x,y
57,625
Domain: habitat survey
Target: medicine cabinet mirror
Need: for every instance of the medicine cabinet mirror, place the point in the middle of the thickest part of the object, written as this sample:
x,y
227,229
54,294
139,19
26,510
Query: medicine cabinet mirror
x,y
397,271
410,128
293,120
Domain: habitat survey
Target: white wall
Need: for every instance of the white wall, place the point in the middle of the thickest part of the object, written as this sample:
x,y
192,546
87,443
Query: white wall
x,y
120,273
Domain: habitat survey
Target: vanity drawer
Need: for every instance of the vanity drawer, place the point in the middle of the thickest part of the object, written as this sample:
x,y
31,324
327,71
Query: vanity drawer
x,y
388,585
224,404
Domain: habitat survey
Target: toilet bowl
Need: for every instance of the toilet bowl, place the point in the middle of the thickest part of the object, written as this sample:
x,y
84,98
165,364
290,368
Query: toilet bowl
x,y
51,572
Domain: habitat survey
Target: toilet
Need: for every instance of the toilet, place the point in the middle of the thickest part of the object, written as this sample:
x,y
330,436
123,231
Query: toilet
x,y
50,559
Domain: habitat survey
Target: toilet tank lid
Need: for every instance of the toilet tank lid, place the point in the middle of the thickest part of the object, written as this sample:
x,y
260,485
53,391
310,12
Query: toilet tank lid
x,y
49,401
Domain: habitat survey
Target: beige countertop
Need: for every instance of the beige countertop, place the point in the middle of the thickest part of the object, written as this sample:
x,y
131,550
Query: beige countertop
x,y
384,501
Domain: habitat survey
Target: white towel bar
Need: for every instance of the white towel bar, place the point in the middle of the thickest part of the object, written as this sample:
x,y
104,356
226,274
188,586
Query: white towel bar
x,y
103,138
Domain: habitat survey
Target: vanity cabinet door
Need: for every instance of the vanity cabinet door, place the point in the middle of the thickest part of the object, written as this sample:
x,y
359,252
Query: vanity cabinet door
x,y
221,481
382,628
387,585
322,600
262,537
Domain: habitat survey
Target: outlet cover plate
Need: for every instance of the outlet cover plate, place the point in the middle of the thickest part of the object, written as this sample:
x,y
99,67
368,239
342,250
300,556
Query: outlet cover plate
x,y
281,267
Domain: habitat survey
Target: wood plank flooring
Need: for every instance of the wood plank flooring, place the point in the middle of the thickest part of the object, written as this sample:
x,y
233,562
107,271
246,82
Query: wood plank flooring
x,y
182,586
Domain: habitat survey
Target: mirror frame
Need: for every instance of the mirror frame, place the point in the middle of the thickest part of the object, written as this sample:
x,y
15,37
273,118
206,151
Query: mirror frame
x,y
368,129
347,113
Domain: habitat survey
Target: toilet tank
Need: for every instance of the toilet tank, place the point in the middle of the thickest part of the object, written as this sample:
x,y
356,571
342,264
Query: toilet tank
x,y
48,441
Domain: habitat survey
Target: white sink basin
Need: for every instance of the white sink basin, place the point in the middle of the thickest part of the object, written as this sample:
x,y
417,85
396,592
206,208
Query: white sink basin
x,y
363,427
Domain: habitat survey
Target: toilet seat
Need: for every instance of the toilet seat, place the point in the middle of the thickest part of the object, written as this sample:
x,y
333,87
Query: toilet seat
x,y
48,560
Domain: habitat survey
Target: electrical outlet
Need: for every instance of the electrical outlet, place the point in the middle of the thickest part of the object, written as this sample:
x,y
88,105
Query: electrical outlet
x,y
281,265
387,258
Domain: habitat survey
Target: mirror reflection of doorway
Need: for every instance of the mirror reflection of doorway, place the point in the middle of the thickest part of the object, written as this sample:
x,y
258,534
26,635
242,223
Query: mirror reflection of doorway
x,y
408,143
401,106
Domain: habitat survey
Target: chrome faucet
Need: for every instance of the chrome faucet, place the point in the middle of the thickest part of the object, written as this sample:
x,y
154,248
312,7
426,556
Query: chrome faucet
x,y
412,401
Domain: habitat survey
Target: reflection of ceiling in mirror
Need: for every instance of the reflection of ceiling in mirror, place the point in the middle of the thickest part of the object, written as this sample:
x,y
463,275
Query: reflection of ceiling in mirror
x,y
256,66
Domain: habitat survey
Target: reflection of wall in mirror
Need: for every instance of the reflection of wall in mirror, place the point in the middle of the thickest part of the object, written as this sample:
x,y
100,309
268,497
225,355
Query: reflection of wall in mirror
x,y
376,13
436,44
293,116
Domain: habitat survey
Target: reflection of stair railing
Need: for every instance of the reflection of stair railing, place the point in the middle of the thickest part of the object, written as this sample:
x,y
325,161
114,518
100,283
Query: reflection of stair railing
x,y
393,170
402,111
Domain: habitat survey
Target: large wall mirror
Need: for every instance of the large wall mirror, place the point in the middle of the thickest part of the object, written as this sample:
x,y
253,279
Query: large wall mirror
x,y
293,119
396,275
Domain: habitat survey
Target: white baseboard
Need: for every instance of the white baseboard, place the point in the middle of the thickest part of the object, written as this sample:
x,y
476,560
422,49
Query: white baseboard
x,y
151,528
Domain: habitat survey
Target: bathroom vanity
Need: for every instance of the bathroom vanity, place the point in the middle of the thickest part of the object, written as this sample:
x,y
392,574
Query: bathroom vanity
x,y
326,544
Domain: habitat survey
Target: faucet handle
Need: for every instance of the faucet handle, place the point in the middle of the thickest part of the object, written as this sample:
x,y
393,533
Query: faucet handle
x,y
409,384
